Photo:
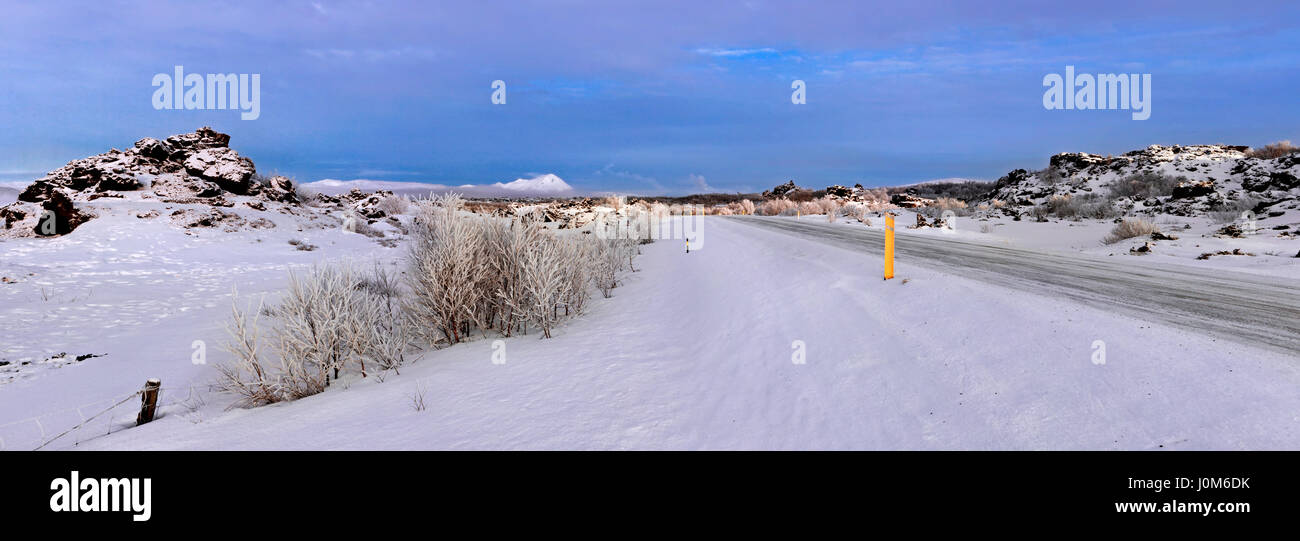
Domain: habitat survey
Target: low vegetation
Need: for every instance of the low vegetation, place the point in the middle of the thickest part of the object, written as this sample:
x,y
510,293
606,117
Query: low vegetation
x,y
466,274
1145,185
1130,228
1273,150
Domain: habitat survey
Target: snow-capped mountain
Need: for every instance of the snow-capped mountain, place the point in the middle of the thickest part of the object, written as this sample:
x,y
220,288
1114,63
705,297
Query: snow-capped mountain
x,y
547,183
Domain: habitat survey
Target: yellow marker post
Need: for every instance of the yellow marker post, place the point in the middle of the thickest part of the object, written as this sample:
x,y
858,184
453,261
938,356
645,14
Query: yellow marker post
x,y
889,246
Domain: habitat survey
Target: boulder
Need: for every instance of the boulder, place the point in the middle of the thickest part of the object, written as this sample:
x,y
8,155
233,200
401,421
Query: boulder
x,y
200,139
27,219
1145,248
842,192
280,189
152,149
224,166
909,201
1187,190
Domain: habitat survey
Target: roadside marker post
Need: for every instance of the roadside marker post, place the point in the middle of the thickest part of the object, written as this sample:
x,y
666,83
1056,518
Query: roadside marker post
x,y
889,246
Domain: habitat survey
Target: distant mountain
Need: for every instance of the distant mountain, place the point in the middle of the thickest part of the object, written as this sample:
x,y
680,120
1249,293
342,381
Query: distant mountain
x,y
547,185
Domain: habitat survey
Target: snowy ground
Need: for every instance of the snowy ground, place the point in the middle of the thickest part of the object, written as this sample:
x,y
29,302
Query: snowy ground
x,y
137,293
1271,254
695,351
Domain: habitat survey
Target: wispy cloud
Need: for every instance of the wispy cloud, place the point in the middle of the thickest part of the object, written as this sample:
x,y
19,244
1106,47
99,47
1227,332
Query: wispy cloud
x,y
735,52
373,55
883,65
700,184
609,172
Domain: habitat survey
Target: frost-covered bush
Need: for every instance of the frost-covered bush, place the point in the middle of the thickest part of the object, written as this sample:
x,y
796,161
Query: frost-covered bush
x,y
394,204
304,194
444,271
464,272
329,319
468,271
544,281
1129,228
385,330
776,207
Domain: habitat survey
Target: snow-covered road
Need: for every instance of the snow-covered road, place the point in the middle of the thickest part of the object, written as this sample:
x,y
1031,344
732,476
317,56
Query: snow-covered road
x,y
703,351
1253,309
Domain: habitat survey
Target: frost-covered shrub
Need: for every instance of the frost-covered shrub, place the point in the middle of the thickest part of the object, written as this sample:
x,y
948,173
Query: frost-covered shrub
x,y
468,271
394,204
1061,206
304,194
1129,228
544,280
444,270
329,319
776,207
464,271
509,244
385,331
1095,207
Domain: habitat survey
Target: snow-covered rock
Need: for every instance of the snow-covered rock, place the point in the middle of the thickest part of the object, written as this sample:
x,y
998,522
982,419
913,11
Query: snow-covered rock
x,y
189,168
1194,180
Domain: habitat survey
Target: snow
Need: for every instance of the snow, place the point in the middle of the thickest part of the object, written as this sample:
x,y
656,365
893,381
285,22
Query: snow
x,y
1273,254
692,352
547,183
139,292
9,191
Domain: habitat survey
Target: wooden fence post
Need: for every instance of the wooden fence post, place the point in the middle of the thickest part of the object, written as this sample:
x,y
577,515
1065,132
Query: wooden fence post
x,y
148,401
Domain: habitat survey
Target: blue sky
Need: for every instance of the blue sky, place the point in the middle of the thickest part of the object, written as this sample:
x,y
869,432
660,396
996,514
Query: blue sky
x,y
650,97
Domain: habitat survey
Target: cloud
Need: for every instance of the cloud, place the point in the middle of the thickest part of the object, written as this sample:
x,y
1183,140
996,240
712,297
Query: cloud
x,y
371,173
701,184
610,172
374,55
734,52
883,65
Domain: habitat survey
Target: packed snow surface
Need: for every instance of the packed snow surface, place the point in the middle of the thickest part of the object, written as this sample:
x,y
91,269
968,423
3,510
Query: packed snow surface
x,y
694,351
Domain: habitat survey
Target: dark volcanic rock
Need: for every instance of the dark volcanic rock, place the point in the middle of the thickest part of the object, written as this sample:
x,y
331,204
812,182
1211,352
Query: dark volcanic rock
x,y
781,190
909,201
1187,190
201,164
839,191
